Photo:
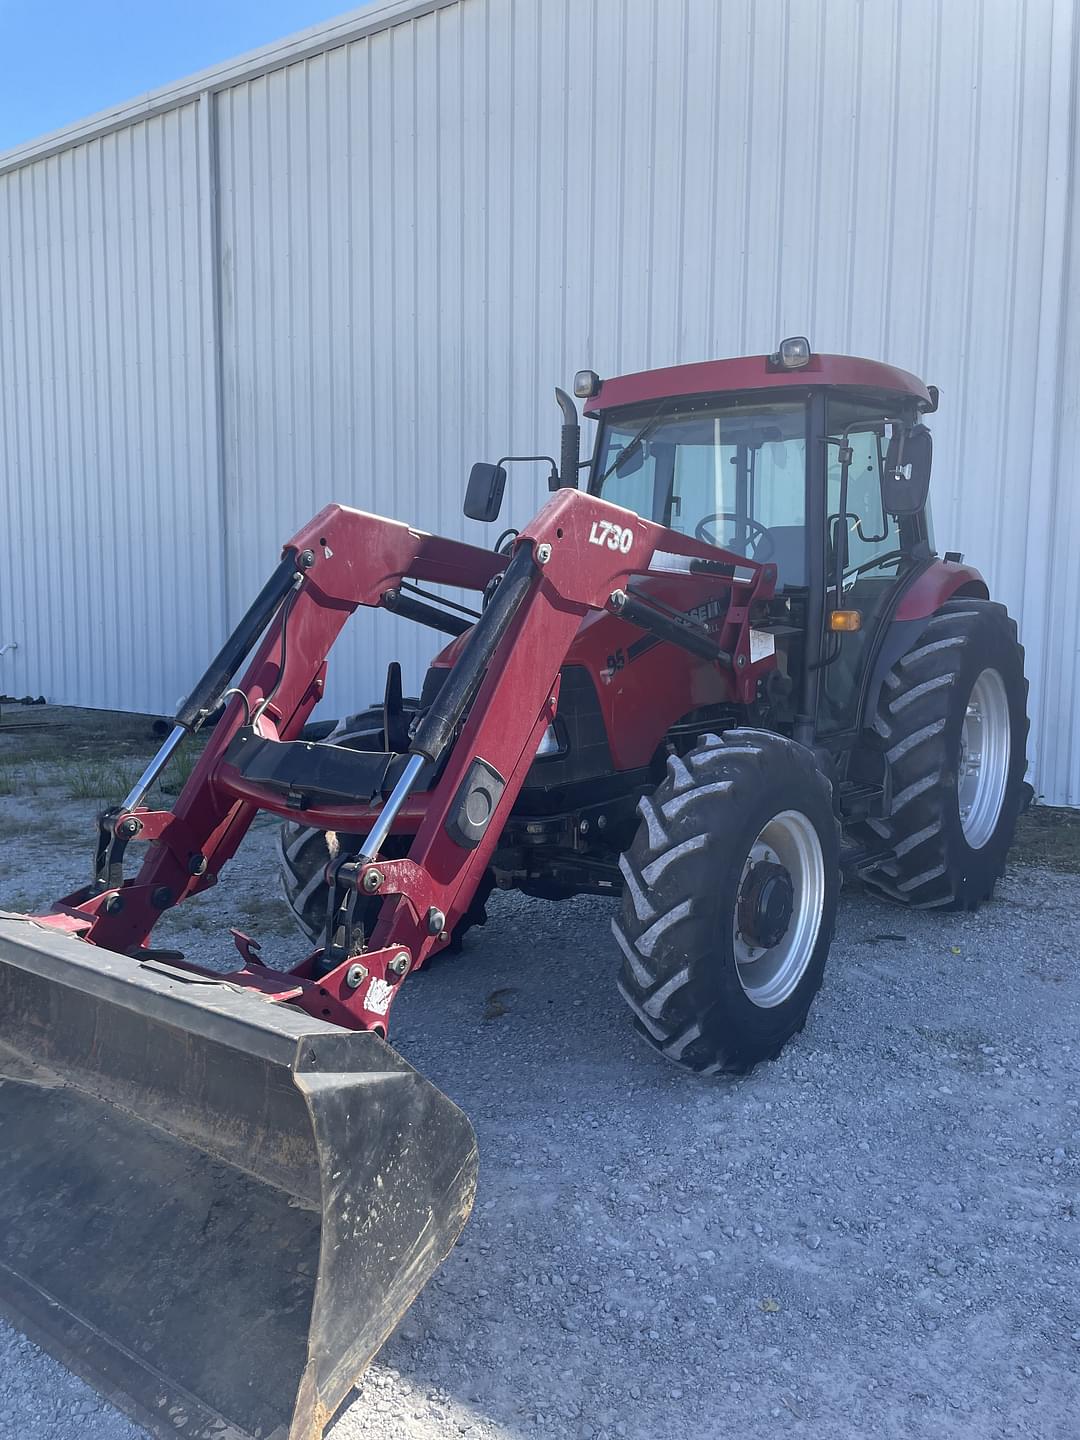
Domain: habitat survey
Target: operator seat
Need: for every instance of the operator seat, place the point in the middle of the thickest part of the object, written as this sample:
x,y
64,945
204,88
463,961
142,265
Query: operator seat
x,y
788,554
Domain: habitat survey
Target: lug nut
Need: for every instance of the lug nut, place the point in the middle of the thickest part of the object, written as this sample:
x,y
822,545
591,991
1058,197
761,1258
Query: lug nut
x,y
399,964
436,921
355,976
372,881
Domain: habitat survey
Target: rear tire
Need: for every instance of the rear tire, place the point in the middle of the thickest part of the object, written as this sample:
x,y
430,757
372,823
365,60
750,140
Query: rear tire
x,y
952,723
704,897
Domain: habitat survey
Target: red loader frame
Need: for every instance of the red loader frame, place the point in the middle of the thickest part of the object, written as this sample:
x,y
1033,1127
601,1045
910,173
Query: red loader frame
x,y
580,553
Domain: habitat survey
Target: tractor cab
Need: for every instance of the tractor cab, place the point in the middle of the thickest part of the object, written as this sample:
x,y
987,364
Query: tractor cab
x,y
816,464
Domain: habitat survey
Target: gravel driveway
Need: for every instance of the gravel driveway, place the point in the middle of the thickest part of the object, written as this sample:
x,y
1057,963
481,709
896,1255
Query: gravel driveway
x,y
878,1234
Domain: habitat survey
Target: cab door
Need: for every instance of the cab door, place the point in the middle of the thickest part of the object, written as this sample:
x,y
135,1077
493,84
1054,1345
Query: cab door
x,y
874,556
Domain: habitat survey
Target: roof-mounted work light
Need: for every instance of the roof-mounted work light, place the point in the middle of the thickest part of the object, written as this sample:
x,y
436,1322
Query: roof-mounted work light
x,y
586,384
792,354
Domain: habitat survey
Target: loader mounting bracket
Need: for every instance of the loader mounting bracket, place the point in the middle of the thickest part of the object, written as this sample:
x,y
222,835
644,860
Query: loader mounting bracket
x,y
116,829
341,941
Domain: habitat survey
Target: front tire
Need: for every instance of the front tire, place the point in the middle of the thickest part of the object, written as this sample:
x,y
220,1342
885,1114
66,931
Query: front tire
x,y
729,902
304,850
952,722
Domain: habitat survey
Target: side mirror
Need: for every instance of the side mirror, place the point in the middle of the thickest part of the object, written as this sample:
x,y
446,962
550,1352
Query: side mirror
x,y
484,492
632,461
906,481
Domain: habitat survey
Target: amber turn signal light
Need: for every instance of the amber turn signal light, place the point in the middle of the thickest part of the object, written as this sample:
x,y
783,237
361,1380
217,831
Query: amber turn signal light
x,y
845,620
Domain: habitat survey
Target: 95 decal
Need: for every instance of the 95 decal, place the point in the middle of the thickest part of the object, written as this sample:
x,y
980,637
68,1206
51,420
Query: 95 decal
x,y
615,537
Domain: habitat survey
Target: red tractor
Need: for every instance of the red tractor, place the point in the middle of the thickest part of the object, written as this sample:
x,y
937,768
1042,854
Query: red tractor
x,y
735,729
726,670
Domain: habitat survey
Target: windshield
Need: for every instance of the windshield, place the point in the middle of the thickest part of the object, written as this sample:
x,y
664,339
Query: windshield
x,y
732,474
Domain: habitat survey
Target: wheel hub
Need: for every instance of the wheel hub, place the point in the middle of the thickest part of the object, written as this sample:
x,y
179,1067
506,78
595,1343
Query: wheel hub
x,y
778,908
983,768
766,902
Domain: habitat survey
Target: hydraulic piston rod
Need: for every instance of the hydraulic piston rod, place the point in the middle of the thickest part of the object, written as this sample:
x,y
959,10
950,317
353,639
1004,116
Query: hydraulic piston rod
x,y
437,728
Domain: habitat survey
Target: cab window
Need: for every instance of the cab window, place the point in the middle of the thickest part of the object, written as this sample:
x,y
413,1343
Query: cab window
x,y
733,475
871,534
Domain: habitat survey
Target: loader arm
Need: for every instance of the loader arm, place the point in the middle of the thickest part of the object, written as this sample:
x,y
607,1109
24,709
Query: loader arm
x,y
580,553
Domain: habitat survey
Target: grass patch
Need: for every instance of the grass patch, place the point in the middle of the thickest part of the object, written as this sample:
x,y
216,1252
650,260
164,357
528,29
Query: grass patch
x,y
178,771
96,779
22,778
61,734
1049,837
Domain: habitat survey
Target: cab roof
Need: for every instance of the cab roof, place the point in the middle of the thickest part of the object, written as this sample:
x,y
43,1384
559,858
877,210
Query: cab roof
x,y
756,372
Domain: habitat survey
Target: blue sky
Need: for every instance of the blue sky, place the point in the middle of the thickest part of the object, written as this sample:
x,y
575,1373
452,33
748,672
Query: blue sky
x,y
61,60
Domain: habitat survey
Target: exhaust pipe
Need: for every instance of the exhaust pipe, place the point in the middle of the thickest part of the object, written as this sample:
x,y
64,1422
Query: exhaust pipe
x,y
570,448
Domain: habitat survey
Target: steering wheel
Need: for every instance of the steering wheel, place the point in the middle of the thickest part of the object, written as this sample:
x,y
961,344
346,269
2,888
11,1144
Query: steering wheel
x,y
759,534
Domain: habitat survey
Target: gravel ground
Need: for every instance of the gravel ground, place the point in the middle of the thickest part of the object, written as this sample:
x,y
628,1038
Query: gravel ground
x,y
875,1235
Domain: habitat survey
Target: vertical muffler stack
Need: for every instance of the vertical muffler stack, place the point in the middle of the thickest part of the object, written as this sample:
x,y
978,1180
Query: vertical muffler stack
x,y
213,1207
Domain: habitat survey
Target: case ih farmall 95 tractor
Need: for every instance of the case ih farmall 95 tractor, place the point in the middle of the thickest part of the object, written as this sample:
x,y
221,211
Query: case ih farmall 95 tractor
x,y
734,729
726,669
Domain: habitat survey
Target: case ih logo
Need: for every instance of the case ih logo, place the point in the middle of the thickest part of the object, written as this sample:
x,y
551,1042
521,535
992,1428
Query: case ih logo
x,y
709,611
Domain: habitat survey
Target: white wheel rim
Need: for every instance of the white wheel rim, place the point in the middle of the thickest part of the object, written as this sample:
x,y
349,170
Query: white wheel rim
x,y
985,749
770,976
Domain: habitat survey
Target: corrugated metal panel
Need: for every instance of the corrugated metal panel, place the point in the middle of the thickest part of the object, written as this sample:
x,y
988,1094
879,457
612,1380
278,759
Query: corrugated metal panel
x,y
110,583
423,229
1053,538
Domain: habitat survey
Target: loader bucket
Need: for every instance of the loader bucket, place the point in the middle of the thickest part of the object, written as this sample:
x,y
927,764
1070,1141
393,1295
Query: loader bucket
x,y
212,1207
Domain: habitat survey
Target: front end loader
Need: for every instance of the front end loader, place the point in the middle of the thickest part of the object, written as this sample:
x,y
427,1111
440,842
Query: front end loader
x,y
729,668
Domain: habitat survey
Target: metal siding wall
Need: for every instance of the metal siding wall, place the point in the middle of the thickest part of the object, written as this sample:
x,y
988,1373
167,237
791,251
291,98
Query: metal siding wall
x,y
109,470
422,230
1053,537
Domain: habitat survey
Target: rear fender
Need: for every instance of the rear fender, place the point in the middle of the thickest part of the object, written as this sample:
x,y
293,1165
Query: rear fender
x,y
942,580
